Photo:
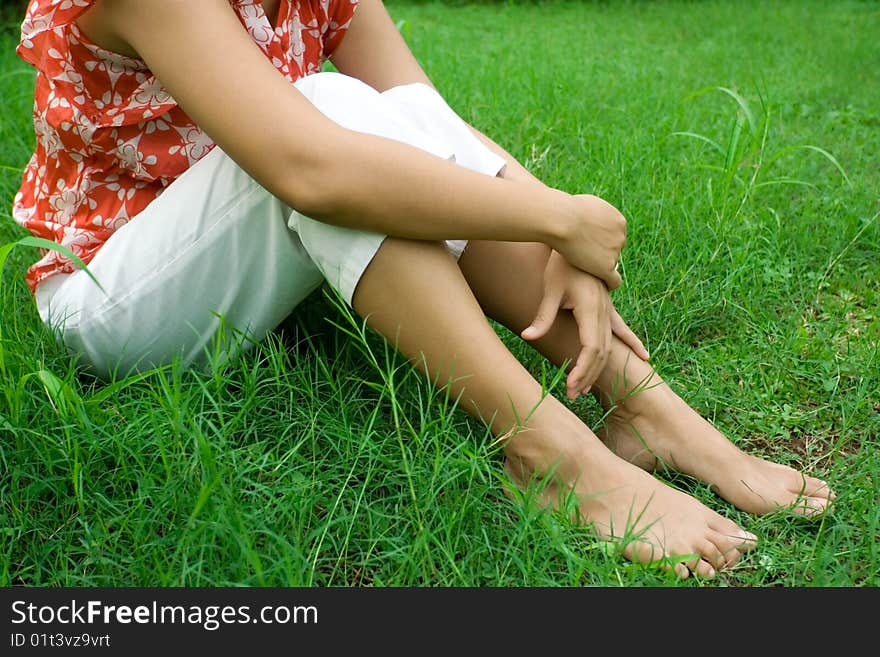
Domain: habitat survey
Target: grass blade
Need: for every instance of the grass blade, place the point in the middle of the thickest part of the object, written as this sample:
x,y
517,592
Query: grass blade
x,y
743,105
42,243
784,181
714,144
829,157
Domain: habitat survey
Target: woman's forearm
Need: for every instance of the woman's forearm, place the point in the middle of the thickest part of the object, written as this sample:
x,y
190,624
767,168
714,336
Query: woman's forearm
x,y
389,187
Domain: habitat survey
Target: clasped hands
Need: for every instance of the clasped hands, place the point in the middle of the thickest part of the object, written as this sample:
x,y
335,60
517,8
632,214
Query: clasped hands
x,y
585,292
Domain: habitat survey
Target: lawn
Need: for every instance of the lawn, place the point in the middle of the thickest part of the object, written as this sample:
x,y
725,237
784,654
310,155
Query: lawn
x,y
751,272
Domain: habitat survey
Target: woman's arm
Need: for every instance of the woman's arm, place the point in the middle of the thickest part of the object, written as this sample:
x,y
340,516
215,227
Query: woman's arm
x,y
209,64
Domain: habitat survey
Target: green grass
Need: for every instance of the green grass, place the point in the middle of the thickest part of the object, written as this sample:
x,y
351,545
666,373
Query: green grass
x,y
316,459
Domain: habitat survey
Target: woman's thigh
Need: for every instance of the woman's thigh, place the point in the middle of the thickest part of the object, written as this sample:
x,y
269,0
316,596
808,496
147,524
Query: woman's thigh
x,y
211,258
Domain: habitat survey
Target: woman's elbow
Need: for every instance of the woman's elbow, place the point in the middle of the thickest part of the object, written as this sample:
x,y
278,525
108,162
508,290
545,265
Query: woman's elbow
x,y
310,185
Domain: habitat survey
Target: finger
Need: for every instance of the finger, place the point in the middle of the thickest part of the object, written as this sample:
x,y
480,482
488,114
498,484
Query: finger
x,y
627,336
576,375
596,365
582,376
606,329
591,362
597,358
612,280
592,358
545,315
602,332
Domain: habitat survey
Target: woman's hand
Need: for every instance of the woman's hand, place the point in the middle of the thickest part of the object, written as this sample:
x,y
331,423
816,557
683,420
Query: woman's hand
x,y
593,237
587,297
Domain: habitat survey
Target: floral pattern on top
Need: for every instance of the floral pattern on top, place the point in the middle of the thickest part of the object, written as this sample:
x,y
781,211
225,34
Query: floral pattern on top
x,y
110,138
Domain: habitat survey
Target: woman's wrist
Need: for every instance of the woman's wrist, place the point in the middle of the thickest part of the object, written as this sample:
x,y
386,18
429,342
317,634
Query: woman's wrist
x,y
557,222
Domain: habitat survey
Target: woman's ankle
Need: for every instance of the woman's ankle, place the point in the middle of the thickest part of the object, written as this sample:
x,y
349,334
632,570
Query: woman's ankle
x,y
555,442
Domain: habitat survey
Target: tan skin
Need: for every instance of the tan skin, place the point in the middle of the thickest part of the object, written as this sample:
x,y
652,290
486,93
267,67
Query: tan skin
x,y
540,261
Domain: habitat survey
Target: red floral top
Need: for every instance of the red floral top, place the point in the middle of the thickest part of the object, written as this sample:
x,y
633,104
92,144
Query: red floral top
x,y
109,138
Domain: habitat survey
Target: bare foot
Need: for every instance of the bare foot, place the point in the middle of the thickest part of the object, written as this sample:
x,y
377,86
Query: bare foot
x,y
652,520
653,428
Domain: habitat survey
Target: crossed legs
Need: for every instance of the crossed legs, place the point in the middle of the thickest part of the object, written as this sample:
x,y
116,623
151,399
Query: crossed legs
x,y
416,295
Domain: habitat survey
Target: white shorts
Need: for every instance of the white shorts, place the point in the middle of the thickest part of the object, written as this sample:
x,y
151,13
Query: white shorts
x,y
217,245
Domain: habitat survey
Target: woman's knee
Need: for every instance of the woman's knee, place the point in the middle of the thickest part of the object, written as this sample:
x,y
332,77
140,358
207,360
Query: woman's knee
x,y
507,279
395,265
356,106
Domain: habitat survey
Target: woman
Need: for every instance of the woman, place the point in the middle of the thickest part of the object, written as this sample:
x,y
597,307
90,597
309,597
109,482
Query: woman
x,y
195,157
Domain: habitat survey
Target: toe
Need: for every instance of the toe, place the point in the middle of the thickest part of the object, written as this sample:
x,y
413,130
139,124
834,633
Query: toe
x,y
714,556
818,488
700,566
733,534
811,507
644,551
704,569
641,551
729,548
801,483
